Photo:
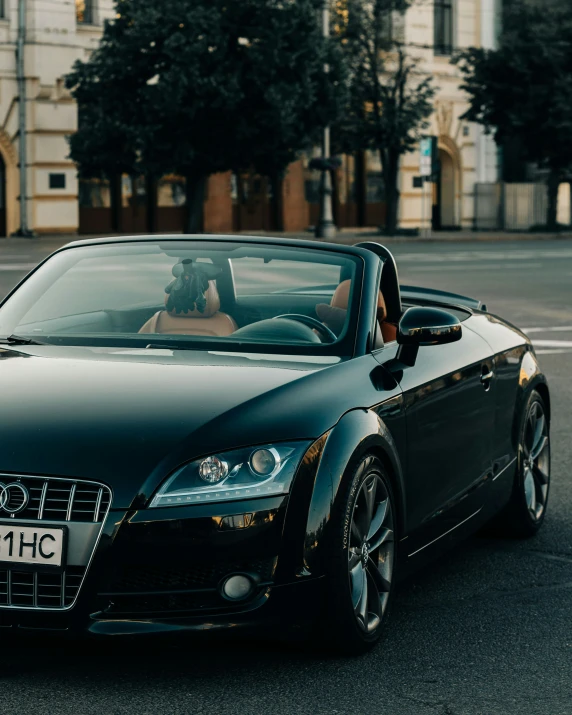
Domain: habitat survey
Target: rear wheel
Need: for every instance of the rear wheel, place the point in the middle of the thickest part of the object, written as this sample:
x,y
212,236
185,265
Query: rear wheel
x,y
526,510
362,560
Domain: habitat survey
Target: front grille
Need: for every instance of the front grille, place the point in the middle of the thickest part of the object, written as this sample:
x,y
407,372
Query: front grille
x,y
51,500
145,579
38,589
56,500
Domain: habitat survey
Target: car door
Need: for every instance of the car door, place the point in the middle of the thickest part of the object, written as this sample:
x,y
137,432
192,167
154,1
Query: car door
x,y
449,401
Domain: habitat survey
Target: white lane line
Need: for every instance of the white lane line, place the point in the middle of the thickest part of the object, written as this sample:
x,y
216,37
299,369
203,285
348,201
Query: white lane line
x,y
553,352
470,256
557,329
17,266
467,267
553,343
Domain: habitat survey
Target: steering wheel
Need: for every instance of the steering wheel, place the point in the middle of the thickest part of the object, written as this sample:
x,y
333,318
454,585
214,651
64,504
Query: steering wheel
x,y
324,331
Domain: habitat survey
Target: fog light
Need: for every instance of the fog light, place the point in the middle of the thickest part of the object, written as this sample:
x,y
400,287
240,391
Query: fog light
x,y
237,587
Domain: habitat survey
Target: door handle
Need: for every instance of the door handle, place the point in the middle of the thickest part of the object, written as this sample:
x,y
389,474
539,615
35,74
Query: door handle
x,y
486,377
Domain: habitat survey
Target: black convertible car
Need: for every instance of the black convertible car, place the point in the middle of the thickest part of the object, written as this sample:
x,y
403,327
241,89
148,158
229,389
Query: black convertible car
x,y
202,433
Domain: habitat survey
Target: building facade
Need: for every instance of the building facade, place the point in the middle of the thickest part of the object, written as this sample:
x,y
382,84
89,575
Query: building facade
x,y
58,32
466,154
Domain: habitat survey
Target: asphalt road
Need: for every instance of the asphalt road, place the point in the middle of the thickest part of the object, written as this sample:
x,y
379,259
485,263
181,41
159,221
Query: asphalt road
x,y
486,630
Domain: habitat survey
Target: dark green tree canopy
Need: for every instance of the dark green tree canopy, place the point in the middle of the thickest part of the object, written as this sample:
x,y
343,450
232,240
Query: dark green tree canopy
x,y
200,86
523,90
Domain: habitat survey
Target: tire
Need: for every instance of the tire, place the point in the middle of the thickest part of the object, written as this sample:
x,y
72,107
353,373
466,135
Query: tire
x,y
361,560
525,513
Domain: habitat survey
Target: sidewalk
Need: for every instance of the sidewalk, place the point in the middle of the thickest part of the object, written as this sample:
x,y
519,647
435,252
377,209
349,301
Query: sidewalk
x,y
50,242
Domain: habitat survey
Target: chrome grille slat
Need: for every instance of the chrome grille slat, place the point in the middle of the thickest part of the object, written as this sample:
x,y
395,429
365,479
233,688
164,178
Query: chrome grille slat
x,y
37,589
54,500
70,502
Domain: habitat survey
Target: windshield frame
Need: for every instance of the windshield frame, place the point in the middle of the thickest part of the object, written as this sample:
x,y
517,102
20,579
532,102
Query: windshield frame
x,y
347,346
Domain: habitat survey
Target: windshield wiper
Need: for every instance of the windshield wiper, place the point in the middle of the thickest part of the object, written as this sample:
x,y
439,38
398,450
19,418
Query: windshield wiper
x,y
18,340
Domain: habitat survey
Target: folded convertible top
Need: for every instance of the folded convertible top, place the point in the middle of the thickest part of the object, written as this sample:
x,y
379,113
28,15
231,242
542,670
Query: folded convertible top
x,y
440,297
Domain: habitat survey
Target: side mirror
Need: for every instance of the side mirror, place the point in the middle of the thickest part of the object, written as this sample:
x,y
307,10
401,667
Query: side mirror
x,y
424,326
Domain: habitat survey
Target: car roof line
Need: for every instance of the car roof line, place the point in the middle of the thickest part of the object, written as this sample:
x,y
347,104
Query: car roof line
x,y
231,238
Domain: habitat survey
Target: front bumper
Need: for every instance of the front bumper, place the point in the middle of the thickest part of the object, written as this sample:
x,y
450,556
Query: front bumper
x,y
160,571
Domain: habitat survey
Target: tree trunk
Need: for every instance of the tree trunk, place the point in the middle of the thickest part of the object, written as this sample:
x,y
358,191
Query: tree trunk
x,y
116,203
552,213
390,164
195,192
277,204
151,203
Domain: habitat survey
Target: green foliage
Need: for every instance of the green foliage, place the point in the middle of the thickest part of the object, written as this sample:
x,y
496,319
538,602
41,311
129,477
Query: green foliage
x,y
200,86
524,89
389,99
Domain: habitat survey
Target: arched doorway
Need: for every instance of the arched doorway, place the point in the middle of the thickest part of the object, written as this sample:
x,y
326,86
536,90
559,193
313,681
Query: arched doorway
x,y
9,188
444,205
2,196
447,189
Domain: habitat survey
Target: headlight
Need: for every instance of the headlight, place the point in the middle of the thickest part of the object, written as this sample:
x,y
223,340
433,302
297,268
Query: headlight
x,y
242,474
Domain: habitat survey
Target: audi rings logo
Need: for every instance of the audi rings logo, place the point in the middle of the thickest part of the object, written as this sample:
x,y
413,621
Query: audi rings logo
x,y
13,497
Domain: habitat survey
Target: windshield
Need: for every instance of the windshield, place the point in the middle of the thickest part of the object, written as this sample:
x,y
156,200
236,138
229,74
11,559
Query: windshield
x,y
191,294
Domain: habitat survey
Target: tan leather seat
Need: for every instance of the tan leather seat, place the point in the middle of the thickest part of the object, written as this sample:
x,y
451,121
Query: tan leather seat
x,y
341,299
211,322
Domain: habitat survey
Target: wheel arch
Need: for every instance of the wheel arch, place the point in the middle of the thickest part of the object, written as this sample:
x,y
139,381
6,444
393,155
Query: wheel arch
x,y
544,392
359,432
530,378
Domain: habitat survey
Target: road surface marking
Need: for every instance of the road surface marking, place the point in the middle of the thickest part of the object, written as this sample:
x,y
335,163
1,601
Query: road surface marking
x,y
553,343
553,352
557,329
17,266
471,256
467,267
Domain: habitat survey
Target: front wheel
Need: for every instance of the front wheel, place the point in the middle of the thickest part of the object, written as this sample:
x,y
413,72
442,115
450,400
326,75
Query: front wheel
x,y
362,560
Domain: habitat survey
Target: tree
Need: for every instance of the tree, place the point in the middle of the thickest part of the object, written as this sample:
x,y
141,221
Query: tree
x,y
389,99
202,86
523,90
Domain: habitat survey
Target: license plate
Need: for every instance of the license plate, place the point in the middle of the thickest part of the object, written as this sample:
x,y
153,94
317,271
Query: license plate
x,y
28,544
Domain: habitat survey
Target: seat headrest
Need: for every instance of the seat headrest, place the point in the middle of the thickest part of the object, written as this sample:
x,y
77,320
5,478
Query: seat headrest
x,y
341,299
212,305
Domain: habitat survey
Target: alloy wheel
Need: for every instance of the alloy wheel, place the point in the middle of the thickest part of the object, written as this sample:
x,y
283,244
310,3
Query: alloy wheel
x,y
536,461
371,552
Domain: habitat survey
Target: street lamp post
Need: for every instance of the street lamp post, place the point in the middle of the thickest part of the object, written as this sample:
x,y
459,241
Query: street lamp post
x,y
24,230
326,227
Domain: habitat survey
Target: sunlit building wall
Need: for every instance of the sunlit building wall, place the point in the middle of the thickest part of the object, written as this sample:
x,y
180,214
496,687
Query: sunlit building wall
x,y
57,33
434,31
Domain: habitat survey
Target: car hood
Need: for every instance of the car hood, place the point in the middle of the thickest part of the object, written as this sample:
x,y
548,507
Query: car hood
x,y
129,417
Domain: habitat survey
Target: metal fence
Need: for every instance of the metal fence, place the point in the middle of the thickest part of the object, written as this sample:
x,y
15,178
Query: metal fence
x,y
510,207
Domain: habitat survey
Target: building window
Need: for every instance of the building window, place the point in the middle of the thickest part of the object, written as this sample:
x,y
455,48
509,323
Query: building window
x,y
2,9
443,27
84,12
57,181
